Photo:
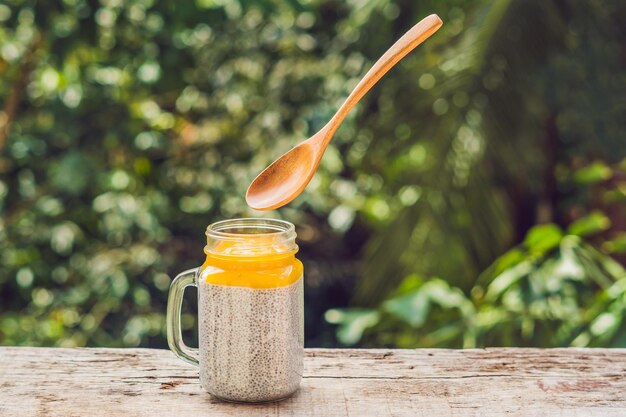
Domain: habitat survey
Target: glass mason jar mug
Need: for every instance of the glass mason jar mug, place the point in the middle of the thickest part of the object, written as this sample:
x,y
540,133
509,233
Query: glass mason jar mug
x,y
250,308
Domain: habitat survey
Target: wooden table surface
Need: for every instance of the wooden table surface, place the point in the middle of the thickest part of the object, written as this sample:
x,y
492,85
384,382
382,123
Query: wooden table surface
x,y
425,382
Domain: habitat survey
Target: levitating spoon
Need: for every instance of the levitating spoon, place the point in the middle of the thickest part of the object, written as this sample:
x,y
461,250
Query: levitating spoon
x,y
287,176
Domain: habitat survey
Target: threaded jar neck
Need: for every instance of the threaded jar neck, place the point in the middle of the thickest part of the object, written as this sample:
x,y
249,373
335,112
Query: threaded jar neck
x,y
251,237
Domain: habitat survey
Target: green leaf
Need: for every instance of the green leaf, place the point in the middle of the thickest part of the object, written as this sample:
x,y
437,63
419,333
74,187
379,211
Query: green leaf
x,y
600,268
441,293
505,280
568,265
352,322
543,238
614,269
410,283
596,172
616,245
594,222
508,260
413,307
605,324
616,195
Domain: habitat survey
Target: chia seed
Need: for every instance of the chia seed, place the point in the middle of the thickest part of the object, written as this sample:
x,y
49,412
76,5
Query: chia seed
x,y
251,341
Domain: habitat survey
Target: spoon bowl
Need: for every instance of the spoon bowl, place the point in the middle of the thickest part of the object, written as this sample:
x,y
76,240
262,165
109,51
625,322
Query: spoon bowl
x,y
288,176
284,179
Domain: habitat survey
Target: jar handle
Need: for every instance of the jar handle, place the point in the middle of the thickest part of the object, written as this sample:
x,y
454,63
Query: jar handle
x,y
174,304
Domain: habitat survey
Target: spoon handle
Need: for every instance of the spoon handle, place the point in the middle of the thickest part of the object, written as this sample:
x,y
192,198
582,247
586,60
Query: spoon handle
x,y
409,41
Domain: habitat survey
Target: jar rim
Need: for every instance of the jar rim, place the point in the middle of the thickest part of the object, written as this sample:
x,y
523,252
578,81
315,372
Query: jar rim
x,y
237,229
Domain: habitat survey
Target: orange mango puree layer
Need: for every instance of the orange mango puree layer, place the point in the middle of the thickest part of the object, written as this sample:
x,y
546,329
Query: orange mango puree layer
x,y
252,270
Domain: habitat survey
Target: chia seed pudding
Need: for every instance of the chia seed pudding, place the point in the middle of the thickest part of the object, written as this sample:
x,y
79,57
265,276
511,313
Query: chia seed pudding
x,y
251,341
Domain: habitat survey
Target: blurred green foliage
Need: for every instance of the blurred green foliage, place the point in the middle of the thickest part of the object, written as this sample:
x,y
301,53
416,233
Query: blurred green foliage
x,y
491,157
553,290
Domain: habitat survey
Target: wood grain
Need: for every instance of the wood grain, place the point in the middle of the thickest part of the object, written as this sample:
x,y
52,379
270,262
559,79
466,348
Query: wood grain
x,y
426,382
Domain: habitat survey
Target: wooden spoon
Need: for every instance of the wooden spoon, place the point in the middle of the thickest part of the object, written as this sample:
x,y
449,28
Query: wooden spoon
x,y
287,177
